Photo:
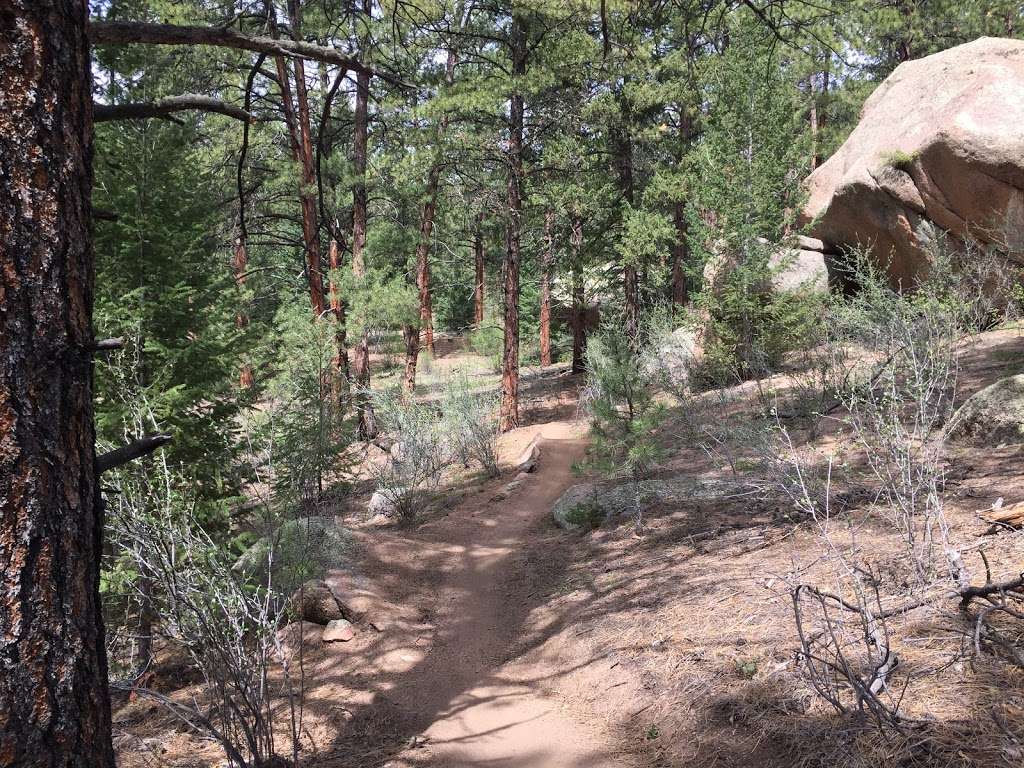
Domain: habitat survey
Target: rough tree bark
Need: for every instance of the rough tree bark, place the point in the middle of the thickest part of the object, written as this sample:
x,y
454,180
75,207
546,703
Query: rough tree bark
x,y
296,114
509,411
545,288
478,266
579,339
54,705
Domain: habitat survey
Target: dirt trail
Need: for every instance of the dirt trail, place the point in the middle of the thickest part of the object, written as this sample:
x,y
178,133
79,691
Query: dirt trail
x,y
467,696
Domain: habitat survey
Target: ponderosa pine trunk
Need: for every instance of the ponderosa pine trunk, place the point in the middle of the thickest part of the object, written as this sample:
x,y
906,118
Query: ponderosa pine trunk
x,y
54,702
579,339
679,290
411,335
367,419
509,411
338,310
478,269
545,287
303,138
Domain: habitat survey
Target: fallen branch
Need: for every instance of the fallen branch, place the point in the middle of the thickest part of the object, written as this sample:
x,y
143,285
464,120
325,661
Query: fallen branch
x,y
130,452
991,588
163,107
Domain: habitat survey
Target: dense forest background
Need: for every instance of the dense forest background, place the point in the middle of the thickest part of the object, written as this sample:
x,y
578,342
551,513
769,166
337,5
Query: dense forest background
x,y
308,214
648,133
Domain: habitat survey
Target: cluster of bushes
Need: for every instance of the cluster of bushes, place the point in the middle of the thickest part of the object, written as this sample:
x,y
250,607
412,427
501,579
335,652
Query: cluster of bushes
x,y
883,366
432,436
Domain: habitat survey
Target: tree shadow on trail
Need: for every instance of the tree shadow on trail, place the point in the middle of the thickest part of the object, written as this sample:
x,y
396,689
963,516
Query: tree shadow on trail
x,y
477,579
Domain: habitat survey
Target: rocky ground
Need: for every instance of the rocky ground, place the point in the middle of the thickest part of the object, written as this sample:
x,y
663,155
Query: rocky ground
x,y
486,635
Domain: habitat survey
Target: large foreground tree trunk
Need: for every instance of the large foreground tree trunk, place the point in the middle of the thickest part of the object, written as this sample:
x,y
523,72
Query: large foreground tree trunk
x,y
54,705
509,413
545,288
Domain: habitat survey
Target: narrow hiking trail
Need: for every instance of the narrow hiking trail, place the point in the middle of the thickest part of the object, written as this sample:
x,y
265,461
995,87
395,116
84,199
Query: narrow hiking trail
x,y
463,685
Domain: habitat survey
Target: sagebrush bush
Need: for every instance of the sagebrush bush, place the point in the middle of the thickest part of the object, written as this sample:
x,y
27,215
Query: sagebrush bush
x,y
420,455
470,419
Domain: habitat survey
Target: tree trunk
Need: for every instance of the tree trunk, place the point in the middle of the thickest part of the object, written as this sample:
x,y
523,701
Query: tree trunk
x,y
240,264
54,703
478,264
367,419
427,221
545,288
411,334
303,146
579,339
423,259
679,291
338,310
307,196
509,413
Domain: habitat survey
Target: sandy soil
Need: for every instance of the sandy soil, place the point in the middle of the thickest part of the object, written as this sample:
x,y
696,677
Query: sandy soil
x,y
449,681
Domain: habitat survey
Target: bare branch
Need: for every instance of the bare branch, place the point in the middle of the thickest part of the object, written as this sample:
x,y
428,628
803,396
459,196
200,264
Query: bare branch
x,y
162,107
107,345
130,452
126,32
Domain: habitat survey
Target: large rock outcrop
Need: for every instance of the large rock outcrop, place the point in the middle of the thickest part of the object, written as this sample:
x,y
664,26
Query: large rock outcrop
x,y
939,146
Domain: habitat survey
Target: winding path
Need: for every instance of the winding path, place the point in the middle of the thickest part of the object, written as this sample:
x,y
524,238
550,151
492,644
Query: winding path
x,y
477,694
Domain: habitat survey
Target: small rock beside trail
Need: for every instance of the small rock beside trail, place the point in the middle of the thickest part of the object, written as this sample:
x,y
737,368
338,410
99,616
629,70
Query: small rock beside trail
x,y
296,546
293,635
339,630
993,415
315,602
528,459
384,503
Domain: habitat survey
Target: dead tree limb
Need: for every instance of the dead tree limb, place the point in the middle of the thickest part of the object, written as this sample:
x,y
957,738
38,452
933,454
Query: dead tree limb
x,y
107,345
130,452
126,32
163,107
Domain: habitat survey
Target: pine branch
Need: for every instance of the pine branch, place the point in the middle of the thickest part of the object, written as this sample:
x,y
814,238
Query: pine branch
x,y
163,107
130,452
127,32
